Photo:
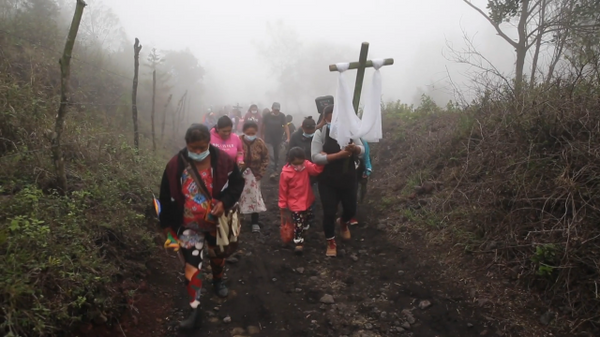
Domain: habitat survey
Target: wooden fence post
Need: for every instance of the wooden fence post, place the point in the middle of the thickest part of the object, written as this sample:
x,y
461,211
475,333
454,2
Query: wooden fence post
x,y
65,73
152,114
137,47
162,131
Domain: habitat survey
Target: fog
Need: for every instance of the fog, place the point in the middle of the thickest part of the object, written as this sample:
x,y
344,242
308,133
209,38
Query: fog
x,y
230,38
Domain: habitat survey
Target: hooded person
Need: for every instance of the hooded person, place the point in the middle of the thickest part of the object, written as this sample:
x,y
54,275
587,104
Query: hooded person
x,y
189,212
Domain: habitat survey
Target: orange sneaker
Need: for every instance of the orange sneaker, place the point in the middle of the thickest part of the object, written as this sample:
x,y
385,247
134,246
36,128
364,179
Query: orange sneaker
x,y
345,231
331,248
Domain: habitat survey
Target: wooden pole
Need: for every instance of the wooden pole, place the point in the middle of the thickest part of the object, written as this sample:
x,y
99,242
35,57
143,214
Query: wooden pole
x,y
162,130
136,62
65,73
369,64
360,75
153,105
188,113
177,112
181,115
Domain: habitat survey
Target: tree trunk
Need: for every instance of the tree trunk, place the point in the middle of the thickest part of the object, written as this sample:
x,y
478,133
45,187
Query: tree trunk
x,y
538,43
162,130
521,48
136,61
152,113
65,73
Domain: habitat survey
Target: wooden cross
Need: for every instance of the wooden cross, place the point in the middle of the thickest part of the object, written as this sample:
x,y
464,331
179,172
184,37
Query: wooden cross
x,y
238,106
361,65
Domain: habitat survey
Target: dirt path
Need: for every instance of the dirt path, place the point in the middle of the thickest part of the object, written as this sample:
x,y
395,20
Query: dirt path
x,y
375,285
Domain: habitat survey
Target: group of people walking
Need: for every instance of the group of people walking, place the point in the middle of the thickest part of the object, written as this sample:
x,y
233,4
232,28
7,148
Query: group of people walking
x,y
223,165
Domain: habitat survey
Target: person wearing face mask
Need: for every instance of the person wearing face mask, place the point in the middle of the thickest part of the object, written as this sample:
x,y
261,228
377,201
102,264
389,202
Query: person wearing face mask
x,y
302,138
295,194
189,212
256,159
338,183
222,138
254,116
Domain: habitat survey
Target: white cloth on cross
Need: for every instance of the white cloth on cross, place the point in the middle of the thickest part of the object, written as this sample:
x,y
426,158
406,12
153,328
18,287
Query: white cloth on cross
x,y
345,124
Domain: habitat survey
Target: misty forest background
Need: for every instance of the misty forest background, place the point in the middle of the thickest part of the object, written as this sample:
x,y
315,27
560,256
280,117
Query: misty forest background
x,y
514,156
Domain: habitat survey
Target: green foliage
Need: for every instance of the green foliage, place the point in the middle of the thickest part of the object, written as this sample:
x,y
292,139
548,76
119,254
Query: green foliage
x,y
64,258
545,258
427,106
503,10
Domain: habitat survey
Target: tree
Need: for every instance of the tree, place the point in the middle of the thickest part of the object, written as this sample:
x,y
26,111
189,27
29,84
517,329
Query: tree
x,y
539,22
65,63
299,67
506,10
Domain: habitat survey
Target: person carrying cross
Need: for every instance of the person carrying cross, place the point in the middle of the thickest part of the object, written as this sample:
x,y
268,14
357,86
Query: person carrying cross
x,y
338,182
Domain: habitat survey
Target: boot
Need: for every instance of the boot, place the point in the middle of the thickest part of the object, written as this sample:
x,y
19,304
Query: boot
x,y
299,249
345,231
220,288
331,248
194,321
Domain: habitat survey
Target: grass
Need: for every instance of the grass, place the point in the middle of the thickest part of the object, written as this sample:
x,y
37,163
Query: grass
x,y
518,183
70,259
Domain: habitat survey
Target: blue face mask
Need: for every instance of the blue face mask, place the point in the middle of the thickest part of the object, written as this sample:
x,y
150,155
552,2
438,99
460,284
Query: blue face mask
x,y
308,135
250,138
329,125
198,156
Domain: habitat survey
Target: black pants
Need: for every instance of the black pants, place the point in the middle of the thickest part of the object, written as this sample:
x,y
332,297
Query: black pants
x,y
330,198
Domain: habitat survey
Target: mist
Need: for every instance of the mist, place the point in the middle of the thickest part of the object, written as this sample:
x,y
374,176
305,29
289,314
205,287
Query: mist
x,y
248,48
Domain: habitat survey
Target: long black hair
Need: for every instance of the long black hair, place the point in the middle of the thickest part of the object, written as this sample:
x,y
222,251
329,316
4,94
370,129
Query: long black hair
x,y
223,122
197,132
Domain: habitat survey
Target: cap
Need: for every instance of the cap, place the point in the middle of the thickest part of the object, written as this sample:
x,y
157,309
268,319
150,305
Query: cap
x,y
276,106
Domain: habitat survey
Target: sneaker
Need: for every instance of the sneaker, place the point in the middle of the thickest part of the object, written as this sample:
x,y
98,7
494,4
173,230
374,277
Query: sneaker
x,y
331,248
299,249
353,222
255,228
307,227
220,288
345,231
273,176
194,321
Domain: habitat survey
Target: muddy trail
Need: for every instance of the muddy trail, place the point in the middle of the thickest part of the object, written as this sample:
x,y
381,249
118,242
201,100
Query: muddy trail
x,y
375,287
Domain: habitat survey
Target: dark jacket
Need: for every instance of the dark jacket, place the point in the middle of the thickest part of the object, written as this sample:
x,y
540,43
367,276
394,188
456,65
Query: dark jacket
x,y
297,139
228,185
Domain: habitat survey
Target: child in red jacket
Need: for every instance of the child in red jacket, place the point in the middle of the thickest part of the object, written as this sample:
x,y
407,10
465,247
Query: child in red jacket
x,y
295,192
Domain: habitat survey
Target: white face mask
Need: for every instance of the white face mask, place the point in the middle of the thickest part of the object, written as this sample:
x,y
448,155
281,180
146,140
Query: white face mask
x,y
254,111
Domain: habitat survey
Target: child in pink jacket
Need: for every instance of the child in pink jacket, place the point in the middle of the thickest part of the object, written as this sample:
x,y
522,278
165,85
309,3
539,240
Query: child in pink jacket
x,y
223,139
295,192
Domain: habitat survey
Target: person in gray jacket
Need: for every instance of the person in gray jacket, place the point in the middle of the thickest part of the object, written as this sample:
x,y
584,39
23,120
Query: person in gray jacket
x,y
338,182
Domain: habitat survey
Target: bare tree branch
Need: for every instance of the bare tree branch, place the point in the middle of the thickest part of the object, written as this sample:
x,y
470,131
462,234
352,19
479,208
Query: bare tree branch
x,y
494,24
